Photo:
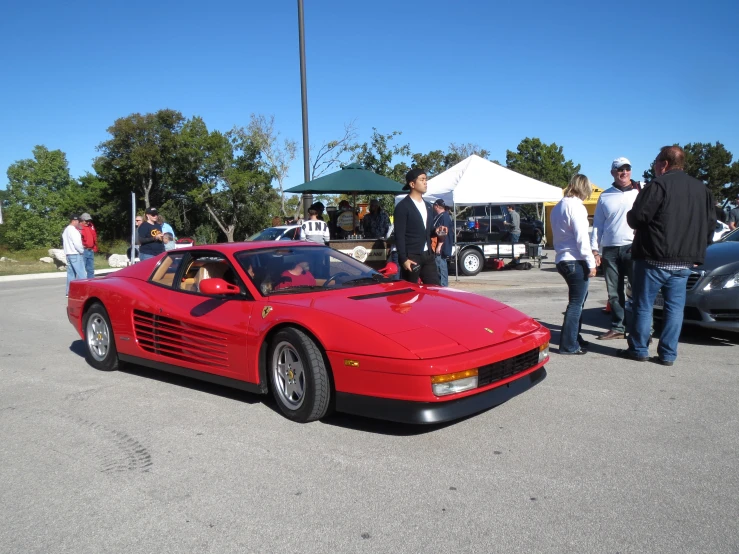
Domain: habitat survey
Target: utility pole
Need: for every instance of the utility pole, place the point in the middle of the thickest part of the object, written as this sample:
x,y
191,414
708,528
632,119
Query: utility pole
x,y
307,197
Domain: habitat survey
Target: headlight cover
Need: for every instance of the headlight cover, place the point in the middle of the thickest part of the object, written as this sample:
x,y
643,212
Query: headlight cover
x,y
452,383
722,282
543,352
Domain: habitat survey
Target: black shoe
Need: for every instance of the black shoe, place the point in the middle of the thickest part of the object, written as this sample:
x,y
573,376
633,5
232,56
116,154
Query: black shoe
x,y
580,352
631,355
658,360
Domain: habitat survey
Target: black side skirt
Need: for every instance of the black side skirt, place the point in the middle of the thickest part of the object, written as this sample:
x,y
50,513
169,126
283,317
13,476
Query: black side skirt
x,y
404,411
194,374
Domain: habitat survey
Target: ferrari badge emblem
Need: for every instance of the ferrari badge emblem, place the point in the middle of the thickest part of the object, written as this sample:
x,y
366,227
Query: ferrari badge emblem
x,y
489,330
265,311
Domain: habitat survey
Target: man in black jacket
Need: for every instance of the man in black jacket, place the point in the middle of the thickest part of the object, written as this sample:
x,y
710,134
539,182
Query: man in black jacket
x,y
673,218
413,222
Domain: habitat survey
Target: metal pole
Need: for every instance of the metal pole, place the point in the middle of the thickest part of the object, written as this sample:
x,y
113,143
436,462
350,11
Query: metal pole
x,y
307,197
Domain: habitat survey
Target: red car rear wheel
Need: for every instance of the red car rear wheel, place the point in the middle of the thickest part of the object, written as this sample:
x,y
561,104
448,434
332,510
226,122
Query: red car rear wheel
x,y
99,340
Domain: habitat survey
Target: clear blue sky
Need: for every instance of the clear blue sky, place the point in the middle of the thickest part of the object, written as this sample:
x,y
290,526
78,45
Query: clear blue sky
x,y
600,79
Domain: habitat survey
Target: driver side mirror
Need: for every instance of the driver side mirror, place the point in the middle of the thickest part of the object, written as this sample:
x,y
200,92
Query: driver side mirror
x,y
390,269
217,286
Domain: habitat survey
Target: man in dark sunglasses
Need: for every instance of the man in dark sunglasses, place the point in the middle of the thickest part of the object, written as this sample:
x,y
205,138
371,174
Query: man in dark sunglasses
x,y
612,238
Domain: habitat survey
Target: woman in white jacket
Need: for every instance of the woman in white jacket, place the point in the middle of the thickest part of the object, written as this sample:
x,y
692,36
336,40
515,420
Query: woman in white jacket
x,y
575,260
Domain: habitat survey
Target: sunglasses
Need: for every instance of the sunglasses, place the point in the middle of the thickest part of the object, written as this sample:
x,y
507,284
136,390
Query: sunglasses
x,y
624,169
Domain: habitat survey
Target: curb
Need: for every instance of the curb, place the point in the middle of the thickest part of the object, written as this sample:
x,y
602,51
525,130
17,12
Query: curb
x,y
57,275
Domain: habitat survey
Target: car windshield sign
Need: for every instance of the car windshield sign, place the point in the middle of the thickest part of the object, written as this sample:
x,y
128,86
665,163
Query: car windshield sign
x,y
294,270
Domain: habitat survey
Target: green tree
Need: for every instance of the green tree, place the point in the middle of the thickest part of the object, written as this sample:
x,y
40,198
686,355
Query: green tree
x,y
459,152
437,161
36,190
232,182
544,162
141,156
377,155
277,155
712,164
332,152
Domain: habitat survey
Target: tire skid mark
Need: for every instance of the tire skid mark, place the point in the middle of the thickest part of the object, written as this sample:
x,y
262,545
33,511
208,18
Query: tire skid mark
x,y
117,452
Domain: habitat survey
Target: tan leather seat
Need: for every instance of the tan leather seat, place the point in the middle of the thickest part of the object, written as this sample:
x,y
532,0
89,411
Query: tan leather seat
x,y
209,271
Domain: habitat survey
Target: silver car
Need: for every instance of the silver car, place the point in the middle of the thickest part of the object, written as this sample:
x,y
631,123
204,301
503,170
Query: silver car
x,y
713,288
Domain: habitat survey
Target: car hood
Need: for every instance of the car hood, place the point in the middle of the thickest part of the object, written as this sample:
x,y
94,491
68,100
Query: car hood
x,y
429,321
720,254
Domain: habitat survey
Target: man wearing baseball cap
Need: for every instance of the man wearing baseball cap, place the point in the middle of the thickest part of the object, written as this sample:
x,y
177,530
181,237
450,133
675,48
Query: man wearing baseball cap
x,y
612,238
150,236
73,250
90,242
443,247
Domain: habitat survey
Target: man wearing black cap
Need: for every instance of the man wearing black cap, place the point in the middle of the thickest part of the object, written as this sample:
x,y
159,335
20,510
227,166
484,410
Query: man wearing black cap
x,y
413,222
443,248
150,236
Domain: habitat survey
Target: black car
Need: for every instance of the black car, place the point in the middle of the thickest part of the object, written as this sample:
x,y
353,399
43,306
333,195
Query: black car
x,y
489,221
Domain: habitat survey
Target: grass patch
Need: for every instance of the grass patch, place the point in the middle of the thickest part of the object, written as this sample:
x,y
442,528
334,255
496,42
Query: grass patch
x,y
27,261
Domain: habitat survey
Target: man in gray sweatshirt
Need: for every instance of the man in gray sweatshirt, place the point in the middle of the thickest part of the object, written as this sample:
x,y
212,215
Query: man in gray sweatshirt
x,y
612,238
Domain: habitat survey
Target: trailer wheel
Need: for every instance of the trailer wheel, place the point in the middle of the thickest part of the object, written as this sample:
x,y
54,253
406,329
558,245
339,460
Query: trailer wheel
x,y
471,262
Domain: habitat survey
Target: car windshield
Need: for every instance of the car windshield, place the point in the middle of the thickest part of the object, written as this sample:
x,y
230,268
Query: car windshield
x,y
273,233
293,270
731,237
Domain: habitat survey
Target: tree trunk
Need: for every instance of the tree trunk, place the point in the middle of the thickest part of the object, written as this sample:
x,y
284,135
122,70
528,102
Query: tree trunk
x,y
228,232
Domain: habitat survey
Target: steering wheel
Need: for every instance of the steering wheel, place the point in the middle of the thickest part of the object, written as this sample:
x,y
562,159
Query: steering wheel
x,y
335,276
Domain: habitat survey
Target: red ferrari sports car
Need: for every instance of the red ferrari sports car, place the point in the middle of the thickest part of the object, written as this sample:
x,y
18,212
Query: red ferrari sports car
x,y
317,328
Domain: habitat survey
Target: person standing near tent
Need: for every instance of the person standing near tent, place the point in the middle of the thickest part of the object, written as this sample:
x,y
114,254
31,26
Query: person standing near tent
x,y
443,249
611,241
575,261
413,220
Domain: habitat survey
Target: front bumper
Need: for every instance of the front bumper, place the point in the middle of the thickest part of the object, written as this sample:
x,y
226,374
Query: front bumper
x,y
403,411
717,309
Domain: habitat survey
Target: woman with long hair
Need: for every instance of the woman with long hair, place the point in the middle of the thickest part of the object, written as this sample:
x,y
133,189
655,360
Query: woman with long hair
x,y
575,260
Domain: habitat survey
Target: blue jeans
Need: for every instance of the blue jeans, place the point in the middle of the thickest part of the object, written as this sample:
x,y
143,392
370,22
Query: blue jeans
x,y
616,266
515,237
648,281
576,275
89,263
75,269
443,267
143,257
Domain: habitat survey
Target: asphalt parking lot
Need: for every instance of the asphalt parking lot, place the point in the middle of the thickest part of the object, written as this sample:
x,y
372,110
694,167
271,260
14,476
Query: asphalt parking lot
x,y
604,455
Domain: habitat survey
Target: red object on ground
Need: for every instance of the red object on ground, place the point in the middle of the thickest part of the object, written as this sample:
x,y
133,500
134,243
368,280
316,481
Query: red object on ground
x,y
607,309
497,264
356,342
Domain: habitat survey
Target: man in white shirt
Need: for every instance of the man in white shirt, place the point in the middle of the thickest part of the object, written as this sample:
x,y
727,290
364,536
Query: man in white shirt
x,y
611,241
74,251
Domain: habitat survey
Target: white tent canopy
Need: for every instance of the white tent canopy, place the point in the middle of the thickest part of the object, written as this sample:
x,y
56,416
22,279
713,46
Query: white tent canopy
x,y
477,181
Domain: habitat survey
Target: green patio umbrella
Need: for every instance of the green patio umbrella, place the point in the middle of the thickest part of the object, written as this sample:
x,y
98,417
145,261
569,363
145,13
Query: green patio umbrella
x,y
353,179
